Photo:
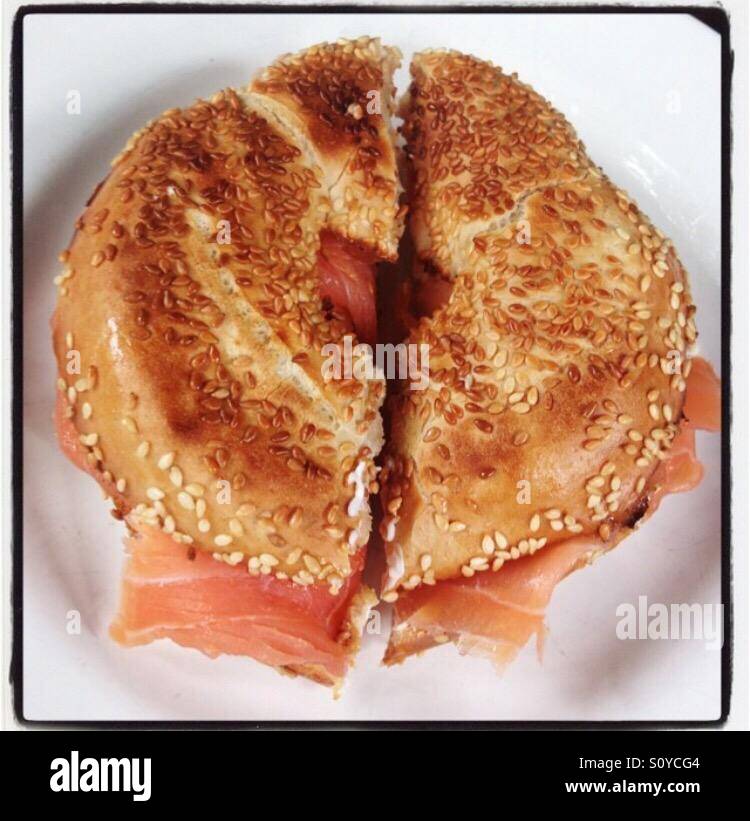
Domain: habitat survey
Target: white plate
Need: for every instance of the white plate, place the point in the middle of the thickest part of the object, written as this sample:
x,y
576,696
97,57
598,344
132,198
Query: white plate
x,y
644,93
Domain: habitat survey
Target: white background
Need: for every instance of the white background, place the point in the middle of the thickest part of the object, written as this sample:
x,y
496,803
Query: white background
x,y
644,94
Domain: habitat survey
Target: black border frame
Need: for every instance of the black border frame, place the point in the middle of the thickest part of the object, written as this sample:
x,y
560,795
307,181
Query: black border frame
x,y
715,18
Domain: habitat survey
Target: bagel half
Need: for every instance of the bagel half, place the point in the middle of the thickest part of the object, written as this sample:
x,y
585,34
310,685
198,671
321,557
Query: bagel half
x,y
559,332
190,329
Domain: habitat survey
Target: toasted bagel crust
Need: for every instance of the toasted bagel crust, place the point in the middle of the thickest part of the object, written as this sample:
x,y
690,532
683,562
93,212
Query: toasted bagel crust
x,y
189,330
558,364
338,98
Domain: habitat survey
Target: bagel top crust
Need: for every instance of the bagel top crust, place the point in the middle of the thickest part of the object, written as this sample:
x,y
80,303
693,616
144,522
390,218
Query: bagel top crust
x,y
479,142
334,97
190,336
557,365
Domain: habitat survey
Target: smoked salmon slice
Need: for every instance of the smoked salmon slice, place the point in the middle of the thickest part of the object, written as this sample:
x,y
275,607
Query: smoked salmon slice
x,y
702,411
490,614
199,602
430,294
703,398
178,593
681,471
347,279
494,614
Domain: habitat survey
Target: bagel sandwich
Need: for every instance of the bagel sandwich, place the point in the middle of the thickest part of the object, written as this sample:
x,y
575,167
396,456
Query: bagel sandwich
x,y
561,329
231,242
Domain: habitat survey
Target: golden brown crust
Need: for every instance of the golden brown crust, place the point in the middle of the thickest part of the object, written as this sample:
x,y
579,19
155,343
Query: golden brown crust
x,y
199,392
479,141
558,365
338,97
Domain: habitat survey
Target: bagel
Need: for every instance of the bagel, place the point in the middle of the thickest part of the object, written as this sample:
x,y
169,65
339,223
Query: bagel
x,y
190,325
233,246
559,324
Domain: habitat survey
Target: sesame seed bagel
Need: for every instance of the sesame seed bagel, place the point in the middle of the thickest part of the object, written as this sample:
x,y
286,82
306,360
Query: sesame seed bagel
x,y
558,361
189,328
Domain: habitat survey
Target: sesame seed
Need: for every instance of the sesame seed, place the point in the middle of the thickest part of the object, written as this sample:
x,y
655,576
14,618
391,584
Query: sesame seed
x,y
441,522
186,500
294,556
165,462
